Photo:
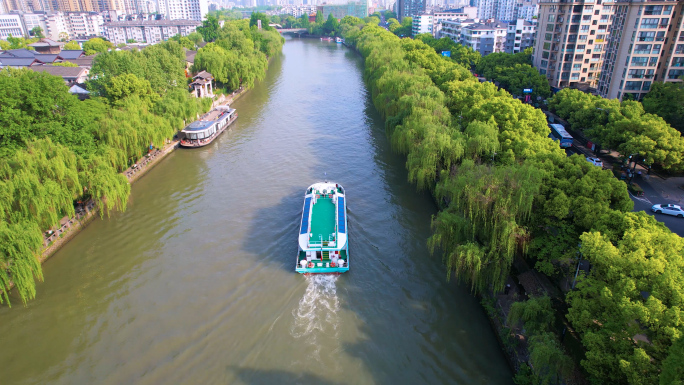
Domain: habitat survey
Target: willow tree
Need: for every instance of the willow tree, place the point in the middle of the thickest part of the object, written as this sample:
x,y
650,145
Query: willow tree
x,y
482,228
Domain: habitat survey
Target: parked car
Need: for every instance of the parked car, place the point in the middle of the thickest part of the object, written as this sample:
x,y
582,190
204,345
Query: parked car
x,y
669,210
595,161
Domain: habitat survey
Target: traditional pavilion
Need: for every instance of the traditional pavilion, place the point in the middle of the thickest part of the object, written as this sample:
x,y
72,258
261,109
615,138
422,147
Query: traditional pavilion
x,y
201,85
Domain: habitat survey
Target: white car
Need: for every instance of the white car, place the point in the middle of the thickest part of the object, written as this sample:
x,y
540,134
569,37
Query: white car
x,y
595,161
669,210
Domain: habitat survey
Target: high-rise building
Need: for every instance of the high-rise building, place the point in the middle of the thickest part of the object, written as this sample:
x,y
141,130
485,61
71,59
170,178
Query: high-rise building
x,y
409,8
570,43
507,10
618,46
645,44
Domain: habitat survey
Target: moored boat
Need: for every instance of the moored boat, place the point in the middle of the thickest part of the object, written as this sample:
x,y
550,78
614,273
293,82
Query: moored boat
x,y
203,131
339,40
323,233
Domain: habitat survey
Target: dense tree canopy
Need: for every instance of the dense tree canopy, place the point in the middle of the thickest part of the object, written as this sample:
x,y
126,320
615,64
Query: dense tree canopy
x,y
506,190
239,56
463,55
514,73
96,45
667,101
623,126
72,45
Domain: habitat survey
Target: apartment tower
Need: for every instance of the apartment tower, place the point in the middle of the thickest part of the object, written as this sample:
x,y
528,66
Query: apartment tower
x,y
646,45
571,40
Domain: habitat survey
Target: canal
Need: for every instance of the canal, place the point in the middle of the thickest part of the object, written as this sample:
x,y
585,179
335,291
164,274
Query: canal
x,y
195,282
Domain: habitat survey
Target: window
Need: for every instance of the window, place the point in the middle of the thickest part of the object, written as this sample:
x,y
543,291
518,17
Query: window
x,y
576,67
639,61
547,45
675,74
544,63
642,49
679,49
656,49
647,86
545,54
636,74
649,22
548,36
582,37
549,27
632,86
678,62
584,29
660,36
551,17
575,76
646,36
653,10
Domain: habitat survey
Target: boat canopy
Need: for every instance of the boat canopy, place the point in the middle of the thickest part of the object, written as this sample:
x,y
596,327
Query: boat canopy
x,y
205,128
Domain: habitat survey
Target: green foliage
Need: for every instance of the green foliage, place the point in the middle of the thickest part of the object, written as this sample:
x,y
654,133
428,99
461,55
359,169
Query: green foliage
x,y
184,41
239,55
624,127
64,64
536,314
55,149
264,21
37,32
667,101
72,45
96,45
514,73
548,361
673,365
120,88
403,30
462,55
19,42
163,65
480,231
209,28
629,307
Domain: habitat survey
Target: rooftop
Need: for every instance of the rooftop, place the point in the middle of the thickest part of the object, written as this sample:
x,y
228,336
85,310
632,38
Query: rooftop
x,y
65,72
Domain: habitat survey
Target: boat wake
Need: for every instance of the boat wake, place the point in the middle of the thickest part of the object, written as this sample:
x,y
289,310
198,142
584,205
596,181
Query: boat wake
x,y
315,320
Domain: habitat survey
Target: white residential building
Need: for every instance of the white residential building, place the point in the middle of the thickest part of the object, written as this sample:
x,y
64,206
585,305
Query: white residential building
x,y
11,25
33,20
485,38
148,31
422,24
451,14
520,35
184,9
56,26
507,10
84,24
298,10
452,28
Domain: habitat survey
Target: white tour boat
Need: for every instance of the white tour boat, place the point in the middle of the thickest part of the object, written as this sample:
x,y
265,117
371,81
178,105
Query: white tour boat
x,y
323,233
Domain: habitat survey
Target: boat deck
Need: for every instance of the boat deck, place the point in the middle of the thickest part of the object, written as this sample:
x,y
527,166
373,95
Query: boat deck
x,y
302,256
323,220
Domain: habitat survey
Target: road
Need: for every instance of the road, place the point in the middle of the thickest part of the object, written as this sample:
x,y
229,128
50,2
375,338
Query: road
x,y
651,197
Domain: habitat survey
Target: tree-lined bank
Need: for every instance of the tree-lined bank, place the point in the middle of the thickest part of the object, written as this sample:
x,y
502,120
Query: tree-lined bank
x,y
507,191
57,151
